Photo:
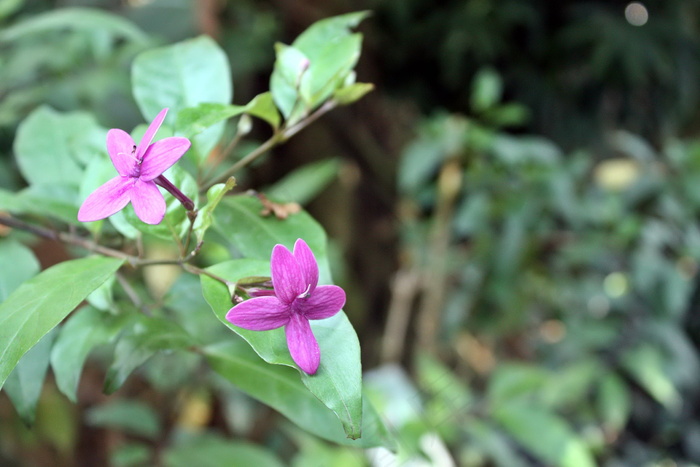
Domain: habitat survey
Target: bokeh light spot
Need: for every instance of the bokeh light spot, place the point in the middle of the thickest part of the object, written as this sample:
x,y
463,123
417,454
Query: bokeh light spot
x,y
636,14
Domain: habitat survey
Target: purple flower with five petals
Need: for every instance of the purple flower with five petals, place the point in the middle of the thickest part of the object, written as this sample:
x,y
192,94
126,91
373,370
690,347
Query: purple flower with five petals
x,y
298,298
139,168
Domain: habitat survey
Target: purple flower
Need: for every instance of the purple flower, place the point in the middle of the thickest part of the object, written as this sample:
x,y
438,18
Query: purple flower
x,y
139,168
297,299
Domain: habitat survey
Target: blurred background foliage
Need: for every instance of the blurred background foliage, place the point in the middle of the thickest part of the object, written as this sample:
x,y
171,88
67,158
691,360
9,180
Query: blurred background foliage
x,y
513,212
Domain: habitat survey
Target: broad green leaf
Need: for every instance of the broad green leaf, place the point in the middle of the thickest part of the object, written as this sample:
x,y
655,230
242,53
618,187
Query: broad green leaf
x,y
77,19
140,342
571,384
285,80
209,450
205,216
487,89
305,183
86,329
329,68
332,52
544,434
516,381
645,364
183,75
24,266
448,395
338,382
42,302
352,93
24,384
238,219
328,30
486,438
613,402
51,147
58,201
194,120
191,311
26,381
132,417
280,388
7,7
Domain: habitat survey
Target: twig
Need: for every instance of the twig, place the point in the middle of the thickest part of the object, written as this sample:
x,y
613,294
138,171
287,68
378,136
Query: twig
x,y
131,293
89,245
404,289
278,137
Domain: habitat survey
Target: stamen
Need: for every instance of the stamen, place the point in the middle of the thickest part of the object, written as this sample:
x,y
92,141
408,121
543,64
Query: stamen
x,y
305,293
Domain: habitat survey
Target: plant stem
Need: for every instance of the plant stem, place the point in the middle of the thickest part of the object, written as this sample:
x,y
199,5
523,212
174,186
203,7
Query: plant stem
x,y
278,137
89,245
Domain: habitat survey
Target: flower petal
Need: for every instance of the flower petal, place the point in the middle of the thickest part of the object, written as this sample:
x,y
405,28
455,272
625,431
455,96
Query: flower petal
x,y
120,147
302,344
161,155
307,262
150,133
326,301
259,314
148,202
287,278
106,200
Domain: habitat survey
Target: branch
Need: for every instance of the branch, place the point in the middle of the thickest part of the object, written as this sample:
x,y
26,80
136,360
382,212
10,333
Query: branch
x,y
89,245
276,138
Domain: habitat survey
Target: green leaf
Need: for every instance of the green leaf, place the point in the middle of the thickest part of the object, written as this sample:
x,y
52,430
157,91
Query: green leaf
x,y
263,107
138,343
131,454
516,381
57,201
24,266
285,80
614,403
487,89
205,216
42,302
132,417
305,183
352,93
194,120
544,434
24,384
85,19
328,30
51,147
490,441
646,365
183,75
8,7
328,69
507,115
209,450
332,51
86,329
238,219
338,382
280,388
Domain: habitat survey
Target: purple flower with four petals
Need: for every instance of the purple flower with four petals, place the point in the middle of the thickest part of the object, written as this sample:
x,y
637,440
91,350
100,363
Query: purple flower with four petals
x,y
139,168
297,300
